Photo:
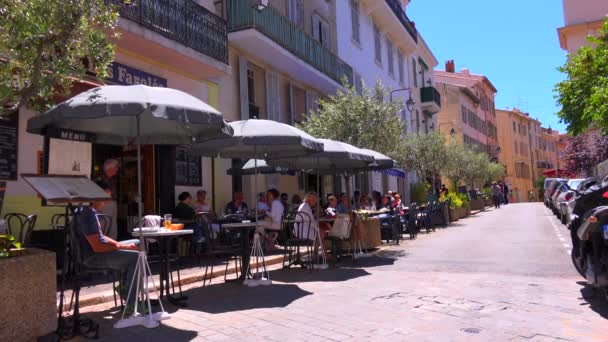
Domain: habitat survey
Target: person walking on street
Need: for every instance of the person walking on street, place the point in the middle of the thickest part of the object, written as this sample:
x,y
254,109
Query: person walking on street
x,y
496,195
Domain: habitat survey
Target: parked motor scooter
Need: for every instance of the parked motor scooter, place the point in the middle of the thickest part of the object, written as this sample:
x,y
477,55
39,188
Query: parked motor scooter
x,y
589,234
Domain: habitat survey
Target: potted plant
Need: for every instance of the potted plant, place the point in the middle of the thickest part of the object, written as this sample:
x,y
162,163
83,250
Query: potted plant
x,y
455,204
10,247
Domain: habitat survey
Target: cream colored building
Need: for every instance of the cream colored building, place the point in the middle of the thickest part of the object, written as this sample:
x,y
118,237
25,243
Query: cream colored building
x,y
467,109
581,19
518,136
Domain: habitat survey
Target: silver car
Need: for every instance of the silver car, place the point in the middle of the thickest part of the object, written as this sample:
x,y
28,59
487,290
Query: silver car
x,y
565,196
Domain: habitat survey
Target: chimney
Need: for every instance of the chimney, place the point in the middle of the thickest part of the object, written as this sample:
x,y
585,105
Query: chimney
x,y
465,71
449,66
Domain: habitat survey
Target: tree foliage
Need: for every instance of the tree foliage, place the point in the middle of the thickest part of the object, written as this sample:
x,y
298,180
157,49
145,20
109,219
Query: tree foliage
x,y
43,44
364,120
471,166
426,154
583,96
455,168
585,150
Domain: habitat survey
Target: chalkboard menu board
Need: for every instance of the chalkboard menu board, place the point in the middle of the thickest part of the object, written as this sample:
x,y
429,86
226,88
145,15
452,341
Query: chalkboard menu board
x,y
9,126
187,169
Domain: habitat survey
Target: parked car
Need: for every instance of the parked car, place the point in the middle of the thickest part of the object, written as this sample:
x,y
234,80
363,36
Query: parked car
x,y
561,188
561,202
551,189
582,187
549,182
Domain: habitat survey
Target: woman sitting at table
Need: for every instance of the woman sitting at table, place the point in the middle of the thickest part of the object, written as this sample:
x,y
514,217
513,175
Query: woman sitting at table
x,y
332,205
272,224
386,204
364,204
344,206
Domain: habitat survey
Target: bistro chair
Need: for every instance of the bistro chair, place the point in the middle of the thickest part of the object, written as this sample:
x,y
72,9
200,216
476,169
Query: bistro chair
x,y
300,235
105,223
390,228
21,226
214,247
341,232
412,220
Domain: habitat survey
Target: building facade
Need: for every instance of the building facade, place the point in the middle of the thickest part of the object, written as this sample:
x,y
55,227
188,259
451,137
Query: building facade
x,y
581,19
381,44
157,47
518,137
467,116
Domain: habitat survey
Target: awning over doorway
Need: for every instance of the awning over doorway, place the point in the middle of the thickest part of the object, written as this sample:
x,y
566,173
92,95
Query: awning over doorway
x,y
393,172
559,173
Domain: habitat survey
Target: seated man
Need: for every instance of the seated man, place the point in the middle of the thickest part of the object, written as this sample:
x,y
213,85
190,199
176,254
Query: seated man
x,y
273,220
184,212
312,228
100,251
237,205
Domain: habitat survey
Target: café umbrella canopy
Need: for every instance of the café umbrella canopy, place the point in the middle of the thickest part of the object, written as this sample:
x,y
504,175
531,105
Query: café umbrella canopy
x,y
255,138
138,114
249,168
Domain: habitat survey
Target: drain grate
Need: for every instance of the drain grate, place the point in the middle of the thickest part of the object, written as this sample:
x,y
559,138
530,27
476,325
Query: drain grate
x,y
472,330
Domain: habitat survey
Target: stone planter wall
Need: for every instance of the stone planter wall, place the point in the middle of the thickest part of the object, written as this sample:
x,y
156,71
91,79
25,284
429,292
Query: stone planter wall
x,y
454,214
477,204
29,286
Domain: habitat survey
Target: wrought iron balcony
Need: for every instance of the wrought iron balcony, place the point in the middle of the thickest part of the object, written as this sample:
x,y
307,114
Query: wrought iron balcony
x,y
430,94
280,29
183,21
395,5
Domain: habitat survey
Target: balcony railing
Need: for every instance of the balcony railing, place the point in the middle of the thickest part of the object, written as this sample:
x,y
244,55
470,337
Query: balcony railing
x,y
395,5
183,21
284,32
430,94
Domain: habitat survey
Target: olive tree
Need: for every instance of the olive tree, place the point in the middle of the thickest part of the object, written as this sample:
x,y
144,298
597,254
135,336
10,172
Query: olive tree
x,y
426,154
43,46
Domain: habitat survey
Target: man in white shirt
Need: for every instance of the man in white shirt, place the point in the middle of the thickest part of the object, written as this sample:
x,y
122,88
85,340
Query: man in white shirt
x,y
272,224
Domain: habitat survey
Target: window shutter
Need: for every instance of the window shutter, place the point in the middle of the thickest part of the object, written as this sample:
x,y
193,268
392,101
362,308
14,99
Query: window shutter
x,y
315,27
292,105
300,13
244,97
325,34
273,106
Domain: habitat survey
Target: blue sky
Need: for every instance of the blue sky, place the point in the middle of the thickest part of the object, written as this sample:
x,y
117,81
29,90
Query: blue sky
x,y
514,43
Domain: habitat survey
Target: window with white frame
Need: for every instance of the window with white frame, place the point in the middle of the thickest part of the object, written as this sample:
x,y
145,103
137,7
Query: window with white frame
x,y
320,30
401,68
354,17
377,44
389,59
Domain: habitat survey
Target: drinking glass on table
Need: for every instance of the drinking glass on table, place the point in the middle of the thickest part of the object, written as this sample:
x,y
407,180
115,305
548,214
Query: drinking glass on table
x,y
168,218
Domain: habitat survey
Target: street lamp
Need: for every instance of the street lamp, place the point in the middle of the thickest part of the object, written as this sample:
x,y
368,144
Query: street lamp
x,y
409,103
259,4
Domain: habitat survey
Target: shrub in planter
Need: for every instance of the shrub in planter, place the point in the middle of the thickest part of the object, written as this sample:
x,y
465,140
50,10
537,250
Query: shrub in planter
x,y
10,247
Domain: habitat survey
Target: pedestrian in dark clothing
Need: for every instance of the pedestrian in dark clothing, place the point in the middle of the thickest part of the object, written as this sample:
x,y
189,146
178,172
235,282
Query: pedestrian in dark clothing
x,y
496,195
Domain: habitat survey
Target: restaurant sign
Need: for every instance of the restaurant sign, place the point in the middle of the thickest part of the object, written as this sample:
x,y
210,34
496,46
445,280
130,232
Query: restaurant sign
x,y
68,134
126,75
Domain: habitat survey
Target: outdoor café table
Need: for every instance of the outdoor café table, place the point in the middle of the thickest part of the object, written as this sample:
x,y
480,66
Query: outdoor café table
x,y
163,236
245,229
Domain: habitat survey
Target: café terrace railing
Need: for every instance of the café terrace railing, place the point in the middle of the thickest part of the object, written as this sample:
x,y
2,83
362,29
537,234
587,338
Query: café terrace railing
x,y
183,21
272,23
395,5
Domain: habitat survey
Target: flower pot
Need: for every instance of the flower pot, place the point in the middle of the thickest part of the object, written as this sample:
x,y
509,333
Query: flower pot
x,y
454,214
13,252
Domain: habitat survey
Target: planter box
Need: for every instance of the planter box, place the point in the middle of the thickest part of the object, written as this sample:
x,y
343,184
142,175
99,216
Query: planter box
x,y
477,204
29,286
454,214
468,209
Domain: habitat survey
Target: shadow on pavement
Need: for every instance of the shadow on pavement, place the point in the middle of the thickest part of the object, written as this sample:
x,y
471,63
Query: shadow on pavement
x,y
296,275
229,297
107,318
595,299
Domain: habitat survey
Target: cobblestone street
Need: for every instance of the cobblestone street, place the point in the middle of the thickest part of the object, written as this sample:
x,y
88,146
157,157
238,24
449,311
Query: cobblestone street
x,y
502,275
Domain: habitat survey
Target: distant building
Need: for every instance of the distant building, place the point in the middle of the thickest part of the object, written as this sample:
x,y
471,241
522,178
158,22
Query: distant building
x,y
467,116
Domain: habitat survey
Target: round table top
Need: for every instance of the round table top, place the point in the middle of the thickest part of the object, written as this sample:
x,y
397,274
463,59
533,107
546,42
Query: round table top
x,y
162,232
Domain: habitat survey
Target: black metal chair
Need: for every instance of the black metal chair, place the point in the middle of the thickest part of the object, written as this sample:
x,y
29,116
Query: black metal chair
x,y
21,226
214,247
412,221
424,218
341,232
105,223
299,234
390,228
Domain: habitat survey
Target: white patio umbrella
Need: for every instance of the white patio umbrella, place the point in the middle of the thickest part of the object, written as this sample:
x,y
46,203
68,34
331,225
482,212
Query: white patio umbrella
x,y
122,115
264,139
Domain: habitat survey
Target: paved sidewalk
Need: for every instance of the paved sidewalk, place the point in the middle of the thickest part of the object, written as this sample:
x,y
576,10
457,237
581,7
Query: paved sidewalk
x,y
496,276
